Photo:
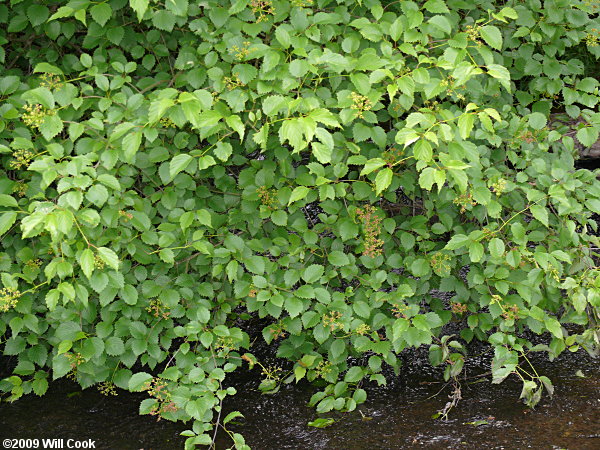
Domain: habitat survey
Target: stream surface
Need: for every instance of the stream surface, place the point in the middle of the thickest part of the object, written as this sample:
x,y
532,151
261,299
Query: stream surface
x,y
397,416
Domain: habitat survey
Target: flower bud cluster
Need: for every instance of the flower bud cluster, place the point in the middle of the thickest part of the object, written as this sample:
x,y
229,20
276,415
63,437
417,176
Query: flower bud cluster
x,y
267,197
360,103
167,123
332,320
22,158
439,264
465,201
34,115
9,298
372,230
241,53
107,388
50,81
233,82
458,308
158,309
499,186
263,8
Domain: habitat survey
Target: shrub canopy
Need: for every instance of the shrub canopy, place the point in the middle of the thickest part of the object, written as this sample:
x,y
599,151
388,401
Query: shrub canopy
x,y
171,169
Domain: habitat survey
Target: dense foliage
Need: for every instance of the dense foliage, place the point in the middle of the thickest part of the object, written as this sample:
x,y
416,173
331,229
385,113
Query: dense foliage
x,y
171,171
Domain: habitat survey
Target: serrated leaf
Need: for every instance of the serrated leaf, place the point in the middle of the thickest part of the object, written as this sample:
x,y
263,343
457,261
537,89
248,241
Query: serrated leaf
x,y
588,136
294,306
465,125
101,13
140,7
7,220
475,251
86,261
131,144
138,380
223,151
423,150
371,165
178,163
540,213
51,126
236,124
299,193
496,247
383,180
109,257
492,36
537,121
313,273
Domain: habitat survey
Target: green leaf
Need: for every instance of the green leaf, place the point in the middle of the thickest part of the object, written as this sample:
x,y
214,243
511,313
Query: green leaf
x,y
554,327
37,14
475,251
39,386
313,273
86,260
164,20
338,347
588,136
442,23
371,165
255,264
321,422
496,247
45,67
273,104
426,179
325,117
209,118
223,151
7,220
140,7
423,151
179,163
354,374
492,36
109,257
501,73
537,121
40,95
540,213
101,13
204,217
294,306
436,6
338,258
131,144
129,294
383,180
465,125
299,193
420,267
61,365
51,126
237,125
138,381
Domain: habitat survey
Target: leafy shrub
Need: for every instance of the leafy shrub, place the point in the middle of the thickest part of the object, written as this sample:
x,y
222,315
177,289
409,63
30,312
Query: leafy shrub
x,y
171,170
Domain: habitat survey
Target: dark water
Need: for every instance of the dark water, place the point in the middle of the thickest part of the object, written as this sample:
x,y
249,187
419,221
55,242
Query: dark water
x,y
398,416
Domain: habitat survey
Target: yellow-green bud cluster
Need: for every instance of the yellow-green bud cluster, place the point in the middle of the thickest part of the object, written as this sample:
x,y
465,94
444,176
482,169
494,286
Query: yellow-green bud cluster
x,y
9,298
22,158
361,103
34,115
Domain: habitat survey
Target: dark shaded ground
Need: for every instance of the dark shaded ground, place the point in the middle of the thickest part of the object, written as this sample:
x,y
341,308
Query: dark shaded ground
x,y
398,416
